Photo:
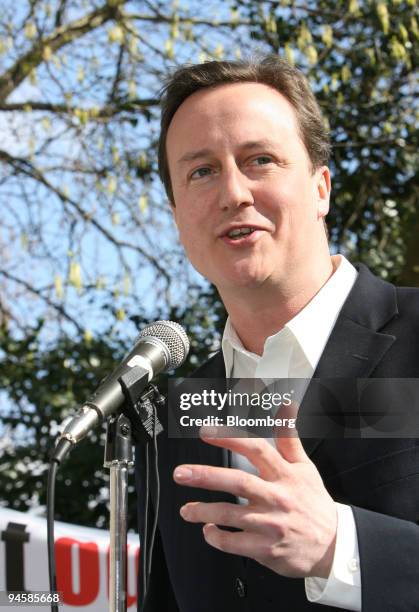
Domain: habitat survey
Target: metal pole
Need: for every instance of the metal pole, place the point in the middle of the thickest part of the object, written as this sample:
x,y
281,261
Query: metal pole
x,y
118,458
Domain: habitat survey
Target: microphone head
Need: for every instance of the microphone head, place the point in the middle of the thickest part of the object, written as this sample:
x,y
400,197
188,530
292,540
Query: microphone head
x,y
172,336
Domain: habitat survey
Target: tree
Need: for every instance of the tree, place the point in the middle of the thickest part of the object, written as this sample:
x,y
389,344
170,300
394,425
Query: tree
x,y
84,222
44,386
78,92
86,235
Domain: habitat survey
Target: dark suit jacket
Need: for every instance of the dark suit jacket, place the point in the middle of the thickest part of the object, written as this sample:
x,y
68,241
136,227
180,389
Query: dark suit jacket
x,y
376,335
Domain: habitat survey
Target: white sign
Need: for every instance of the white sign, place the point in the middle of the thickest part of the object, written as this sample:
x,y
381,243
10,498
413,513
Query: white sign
x,y
82,560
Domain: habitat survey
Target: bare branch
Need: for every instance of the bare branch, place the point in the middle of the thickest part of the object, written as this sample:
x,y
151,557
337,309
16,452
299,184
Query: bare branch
x,y
113,95
26,168
106,112
366,143
58,307
60,37
158,17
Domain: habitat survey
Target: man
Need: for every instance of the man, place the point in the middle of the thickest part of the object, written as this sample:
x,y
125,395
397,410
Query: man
x,y
243,156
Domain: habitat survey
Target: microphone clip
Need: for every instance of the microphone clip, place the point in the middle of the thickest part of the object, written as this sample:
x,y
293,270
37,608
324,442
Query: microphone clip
x,y
141,408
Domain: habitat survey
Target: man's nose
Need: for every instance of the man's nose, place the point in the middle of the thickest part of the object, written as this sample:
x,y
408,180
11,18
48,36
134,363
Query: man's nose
x,y
235,189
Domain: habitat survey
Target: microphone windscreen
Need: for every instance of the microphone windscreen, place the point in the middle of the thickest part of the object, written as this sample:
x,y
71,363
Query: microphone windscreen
x,y
173,336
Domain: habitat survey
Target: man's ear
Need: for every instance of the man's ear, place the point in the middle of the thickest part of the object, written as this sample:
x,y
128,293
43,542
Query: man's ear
x,y
324,187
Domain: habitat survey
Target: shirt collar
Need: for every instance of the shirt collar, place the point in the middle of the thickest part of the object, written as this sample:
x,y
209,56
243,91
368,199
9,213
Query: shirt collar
x,y
311,327
230,343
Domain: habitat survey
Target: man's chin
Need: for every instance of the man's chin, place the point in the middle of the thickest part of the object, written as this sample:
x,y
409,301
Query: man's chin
x,y
241,281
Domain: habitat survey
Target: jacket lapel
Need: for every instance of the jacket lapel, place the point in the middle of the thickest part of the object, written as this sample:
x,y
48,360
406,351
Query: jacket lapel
x,y
356,345
213,455
194,450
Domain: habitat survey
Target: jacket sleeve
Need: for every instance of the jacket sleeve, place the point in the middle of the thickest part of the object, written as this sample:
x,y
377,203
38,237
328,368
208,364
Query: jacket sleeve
x,y
389,561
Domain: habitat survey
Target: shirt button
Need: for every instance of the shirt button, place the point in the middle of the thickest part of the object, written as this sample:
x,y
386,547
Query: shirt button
x,y
353,565
240,587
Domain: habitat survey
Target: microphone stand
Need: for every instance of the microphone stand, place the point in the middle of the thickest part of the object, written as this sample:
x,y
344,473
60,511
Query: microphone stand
x,y
138,421
118,458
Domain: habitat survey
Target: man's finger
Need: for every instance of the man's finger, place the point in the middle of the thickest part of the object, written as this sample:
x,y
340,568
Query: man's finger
x,y
237,543
291,449
236,482
257,450
220,513
227,515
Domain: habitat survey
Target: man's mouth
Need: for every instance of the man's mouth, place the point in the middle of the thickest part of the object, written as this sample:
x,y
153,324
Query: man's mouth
x,y
237,233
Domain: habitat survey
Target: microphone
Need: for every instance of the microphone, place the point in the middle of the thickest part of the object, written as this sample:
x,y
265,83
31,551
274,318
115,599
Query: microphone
x,y
161,346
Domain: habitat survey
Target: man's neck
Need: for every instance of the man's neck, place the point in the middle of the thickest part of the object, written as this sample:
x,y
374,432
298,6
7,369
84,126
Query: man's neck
x,y
258,313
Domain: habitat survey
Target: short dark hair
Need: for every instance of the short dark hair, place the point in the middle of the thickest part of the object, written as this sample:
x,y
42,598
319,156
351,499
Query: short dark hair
x,y
272,71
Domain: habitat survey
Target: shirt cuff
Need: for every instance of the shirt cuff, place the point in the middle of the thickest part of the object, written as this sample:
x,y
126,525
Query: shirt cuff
x,y
342,588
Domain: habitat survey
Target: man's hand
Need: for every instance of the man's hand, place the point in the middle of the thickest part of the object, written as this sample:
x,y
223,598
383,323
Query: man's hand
x,y
290,522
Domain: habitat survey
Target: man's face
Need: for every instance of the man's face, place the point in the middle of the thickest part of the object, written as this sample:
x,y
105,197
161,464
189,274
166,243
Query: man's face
x,y
248,207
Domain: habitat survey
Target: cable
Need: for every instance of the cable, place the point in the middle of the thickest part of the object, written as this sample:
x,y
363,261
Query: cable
x,y
156,513
143,543
61,451
52,473
148,553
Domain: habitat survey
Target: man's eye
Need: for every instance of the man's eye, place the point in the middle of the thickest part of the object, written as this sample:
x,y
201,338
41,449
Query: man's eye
x,y
262,160
201,172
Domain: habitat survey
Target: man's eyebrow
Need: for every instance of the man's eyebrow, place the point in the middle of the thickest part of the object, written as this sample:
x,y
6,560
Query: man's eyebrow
x,y
250,144
256,144
192,155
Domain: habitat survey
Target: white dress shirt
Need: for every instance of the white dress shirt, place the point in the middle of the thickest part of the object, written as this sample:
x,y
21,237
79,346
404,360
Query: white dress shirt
x,y
293,352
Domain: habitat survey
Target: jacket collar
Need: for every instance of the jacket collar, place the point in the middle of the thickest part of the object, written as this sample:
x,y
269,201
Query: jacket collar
x,y
356,344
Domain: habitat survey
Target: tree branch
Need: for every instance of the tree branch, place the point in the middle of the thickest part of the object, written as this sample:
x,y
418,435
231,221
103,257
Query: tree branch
x,y
60,37
58,307
107,111
160,18
365,143
23,166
